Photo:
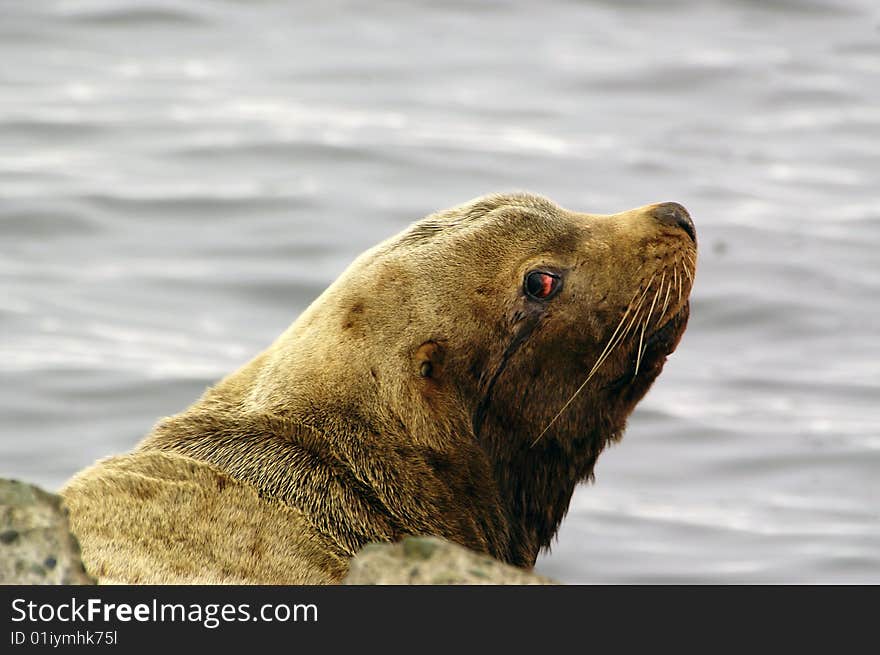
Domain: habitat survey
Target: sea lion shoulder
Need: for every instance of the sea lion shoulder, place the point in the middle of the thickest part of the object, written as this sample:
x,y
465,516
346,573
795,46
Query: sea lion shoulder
x,y
154,517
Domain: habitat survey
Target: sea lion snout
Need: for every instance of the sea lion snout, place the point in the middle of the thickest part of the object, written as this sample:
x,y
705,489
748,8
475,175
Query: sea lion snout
x,y
674,215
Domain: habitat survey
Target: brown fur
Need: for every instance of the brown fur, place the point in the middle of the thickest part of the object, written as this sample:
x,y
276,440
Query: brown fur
x,y
409,398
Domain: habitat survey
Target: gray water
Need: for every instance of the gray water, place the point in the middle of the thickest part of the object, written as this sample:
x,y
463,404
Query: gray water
x,y
179,180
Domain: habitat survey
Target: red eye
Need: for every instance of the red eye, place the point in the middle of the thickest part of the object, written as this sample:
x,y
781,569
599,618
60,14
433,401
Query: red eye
x,y
541,285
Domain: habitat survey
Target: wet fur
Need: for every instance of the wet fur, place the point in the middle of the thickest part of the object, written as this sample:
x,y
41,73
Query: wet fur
x,y
406,400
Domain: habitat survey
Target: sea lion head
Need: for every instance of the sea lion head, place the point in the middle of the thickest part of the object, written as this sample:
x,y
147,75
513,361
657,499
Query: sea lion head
x,y
512,312
532,329
483,357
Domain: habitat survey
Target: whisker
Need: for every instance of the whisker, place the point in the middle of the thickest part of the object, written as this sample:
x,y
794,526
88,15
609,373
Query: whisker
x,y
662,280
688,272
666,300
653,304
617,342
614,334
638,310
642,337
601,360
639,351
633,321
679,291
612,344
635,311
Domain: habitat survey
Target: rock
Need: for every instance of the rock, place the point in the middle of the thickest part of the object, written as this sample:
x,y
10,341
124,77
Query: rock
x,y
432,561
36,546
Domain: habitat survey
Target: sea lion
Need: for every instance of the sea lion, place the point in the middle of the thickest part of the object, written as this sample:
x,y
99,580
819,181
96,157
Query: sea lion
x,y
458,380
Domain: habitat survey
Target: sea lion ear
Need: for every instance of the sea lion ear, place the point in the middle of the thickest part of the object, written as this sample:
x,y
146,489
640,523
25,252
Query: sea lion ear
x,y
428,360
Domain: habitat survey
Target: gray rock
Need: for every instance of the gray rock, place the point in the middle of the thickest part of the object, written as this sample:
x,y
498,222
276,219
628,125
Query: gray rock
x,y
36,546
432,561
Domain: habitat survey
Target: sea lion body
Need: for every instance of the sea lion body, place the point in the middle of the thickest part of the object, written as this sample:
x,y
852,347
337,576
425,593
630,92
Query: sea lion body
x,y
456,380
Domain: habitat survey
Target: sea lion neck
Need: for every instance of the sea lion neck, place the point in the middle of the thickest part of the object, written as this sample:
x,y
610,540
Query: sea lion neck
x,y
355,470
536,481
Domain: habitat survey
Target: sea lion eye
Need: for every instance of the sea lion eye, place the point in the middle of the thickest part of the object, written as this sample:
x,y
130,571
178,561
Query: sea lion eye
x,y
541,285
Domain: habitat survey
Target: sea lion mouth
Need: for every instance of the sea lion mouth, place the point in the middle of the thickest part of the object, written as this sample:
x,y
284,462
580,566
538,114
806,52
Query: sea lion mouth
x,y
645,364
666,338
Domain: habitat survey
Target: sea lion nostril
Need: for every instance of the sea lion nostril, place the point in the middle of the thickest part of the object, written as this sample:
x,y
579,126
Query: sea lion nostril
x,y
673,214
